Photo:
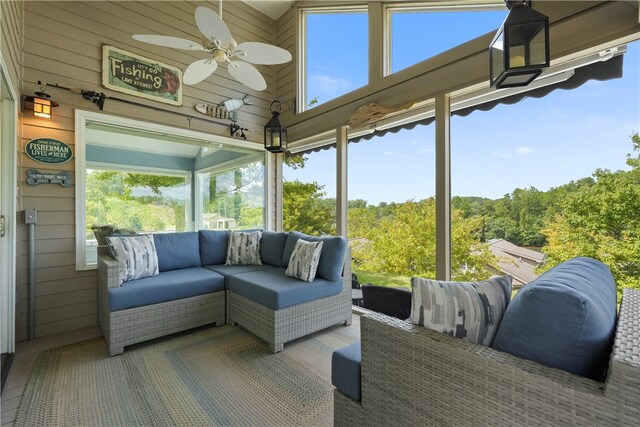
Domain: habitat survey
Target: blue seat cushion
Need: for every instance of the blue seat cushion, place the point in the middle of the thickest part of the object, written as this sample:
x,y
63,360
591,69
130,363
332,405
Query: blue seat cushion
x,y
345,370
213,246
272,247
166,286
177,250
231,270
565,318
334,251
273,289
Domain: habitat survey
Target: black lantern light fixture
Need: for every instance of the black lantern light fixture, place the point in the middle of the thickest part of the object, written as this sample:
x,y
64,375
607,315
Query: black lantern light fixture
x,y
41,104
275,134
520,49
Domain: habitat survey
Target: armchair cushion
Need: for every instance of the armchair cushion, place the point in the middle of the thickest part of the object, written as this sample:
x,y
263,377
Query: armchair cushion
x,y
334,250
244,248
272,247
177,250
467,310
565,318
213,246
136,255
345,370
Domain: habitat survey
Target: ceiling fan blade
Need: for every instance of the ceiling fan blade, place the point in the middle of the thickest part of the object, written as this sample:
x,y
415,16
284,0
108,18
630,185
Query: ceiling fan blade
x,y
212,26
168,41
199,70
262,53
247,74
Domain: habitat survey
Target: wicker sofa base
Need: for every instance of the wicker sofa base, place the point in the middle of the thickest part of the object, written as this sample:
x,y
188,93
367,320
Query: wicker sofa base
x,y
277,327
125,327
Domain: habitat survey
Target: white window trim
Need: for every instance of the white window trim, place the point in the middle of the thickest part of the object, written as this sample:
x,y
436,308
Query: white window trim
x,y
82,119
301,90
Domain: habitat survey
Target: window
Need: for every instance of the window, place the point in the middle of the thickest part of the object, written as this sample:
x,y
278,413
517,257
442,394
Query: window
x,y
335,54
153,178
547,179
232,198
309,192
419,34
391,208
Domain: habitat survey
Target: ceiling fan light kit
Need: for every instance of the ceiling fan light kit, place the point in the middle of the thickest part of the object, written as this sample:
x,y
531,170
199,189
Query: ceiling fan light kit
x,y
217,41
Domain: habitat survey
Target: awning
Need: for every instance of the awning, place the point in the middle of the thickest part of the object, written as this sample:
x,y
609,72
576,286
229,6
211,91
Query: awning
x,y
601,71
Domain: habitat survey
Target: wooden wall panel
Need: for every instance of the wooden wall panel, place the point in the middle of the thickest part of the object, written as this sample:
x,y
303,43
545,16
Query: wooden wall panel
x,y
71,55
11,38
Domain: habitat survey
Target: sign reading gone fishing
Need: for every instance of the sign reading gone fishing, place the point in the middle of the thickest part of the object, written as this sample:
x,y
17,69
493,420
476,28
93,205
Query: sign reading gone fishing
x,y
48,150
136,75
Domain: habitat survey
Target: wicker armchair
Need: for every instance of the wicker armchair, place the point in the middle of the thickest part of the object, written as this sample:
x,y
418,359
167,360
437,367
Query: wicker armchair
x,y
394,302
414,376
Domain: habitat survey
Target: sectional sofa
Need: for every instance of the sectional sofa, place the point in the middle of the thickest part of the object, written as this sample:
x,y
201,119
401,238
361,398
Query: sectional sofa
x,y
194,287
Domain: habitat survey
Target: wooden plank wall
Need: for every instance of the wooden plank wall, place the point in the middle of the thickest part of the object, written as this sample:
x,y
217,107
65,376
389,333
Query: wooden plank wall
x,y
11,17
63,44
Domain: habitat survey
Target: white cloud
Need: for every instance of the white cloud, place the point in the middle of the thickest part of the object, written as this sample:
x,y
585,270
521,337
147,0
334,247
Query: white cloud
x,y
325,86
426,150
524,151
414,142
389,153
503,154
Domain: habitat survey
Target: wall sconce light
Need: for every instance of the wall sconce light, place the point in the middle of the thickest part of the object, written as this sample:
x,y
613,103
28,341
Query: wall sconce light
x,y
41,104
275,134
520,49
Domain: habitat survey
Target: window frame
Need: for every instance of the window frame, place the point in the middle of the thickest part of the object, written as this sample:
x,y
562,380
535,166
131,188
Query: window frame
x,y
301,89
84,118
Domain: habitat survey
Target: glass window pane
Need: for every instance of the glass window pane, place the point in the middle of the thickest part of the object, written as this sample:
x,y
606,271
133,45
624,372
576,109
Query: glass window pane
x,y
548,179
233,199
391,210
309,193
419,35
336,54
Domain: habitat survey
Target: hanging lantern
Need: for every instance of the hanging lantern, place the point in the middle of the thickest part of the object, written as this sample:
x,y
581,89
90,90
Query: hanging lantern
x,y
520,49
275,134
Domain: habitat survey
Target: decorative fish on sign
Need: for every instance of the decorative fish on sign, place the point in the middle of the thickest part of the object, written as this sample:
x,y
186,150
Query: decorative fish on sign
x,y
372,112
217,111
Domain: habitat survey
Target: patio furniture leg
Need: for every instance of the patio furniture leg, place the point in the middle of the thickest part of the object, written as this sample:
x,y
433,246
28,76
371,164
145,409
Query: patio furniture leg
x,y
276,347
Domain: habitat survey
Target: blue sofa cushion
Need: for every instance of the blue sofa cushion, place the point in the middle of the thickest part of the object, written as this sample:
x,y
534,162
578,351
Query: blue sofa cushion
x,y
231,270
167,286
213,246
177,250
272,247
345,370
334,251
565,318
273,289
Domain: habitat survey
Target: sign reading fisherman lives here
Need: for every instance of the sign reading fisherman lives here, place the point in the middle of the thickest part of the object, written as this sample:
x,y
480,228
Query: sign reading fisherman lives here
x,y
47,150
136,75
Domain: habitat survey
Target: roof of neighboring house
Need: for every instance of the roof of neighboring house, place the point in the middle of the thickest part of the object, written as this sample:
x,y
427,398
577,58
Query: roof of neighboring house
x,y
517,251
510,260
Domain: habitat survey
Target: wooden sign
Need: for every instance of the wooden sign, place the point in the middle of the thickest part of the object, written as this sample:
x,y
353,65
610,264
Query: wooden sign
x,y
34,178
136,75
48,150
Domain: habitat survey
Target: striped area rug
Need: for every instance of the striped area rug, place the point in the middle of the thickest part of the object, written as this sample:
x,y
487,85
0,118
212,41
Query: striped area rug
x,y
211,376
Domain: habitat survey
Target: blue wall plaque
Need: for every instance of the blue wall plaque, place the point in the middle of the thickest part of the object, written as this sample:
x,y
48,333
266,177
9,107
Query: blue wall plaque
x,y
48,150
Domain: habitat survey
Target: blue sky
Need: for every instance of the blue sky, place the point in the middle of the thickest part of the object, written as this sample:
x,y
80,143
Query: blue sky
x,y
542,143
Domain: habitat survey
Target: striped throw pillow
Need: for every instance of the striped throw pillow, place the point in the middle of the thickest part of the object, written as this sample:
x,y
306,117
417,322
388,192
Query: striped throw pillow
x,y
244,248
304,260
136,255
467,310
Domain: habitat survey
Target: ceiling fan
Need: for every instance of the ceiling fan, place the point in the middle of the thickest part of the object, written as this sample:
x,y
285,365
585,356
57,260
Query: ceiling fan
x,y
217,40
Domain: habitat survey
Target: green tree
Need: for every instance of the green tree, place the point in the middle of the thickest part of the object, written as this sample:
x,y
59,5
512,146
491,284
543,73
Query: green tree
x,y
305,210
601,220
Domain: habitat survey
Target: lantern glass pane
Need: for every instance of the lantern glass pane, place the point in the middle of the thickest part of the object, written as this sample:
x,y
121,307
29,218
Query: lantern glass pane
x,y
517,56
538,49
497,56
